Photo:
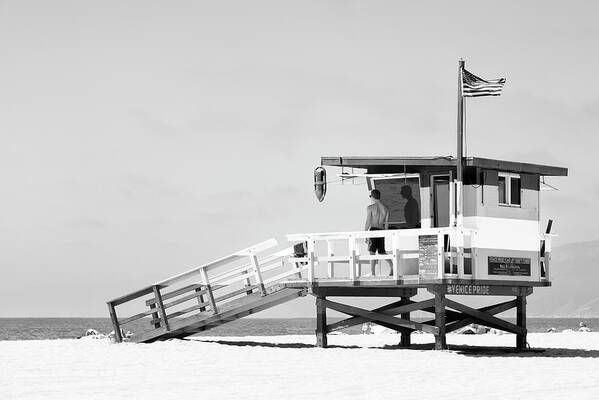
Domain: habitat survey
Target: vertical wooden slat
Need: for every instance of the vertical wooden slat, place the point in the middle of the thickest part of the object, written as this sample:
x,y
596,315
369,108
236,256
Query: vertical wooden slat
x,y
473,254
460,252
521,320
257,273
161,310
331,264
248,284
115,323
321,322
311,262
155,316
352,258
440,339
396,257
200,299
209,293
298,274
440,255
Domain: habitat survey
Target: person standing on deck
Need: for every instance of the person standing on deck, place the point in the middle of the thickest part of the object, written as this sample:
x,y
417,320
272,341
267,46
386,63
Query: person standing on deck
x,y
411,209
377,218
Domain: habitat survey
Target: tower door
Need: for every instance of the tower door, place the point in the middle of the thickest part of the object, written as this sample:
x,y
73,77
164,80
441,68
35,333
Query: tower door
x,y
440,200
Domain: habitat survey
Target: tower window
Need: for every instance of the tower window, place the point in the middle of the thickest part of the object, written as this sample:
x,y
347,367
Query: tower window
x,y
509,189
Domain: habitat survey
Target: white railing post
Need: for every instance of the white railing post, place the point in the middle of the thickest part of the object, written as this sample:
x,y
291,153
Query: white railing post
x,y
352,257
473,253
257,273
460,251
311,260
204,275
331,264
396,256
440,254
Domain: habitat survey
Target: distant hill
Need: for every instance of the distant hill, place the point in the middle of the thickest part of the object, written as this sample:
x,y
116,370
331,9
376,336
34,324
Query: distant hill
x,y
574,273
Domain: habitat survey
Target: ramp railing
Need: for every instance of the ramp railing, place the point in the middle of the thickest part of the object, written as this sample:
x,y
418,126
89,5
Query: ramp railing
x,y
205,289
448,253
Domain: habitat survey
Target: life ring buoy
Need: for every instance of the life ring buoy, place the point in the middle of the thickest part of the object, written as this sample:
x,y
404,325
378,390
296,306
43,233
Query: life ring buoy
x,y
320,183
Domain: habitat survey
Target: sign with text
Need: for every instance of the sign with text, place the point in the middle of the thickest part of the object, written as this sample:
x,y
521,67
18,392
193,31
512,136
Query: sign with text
x,y
486,290
428,256
510,266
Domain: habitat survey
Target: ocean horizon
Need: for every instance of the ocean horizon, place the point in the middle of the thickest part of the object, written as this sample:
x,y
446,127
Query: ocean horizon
x,y
47,328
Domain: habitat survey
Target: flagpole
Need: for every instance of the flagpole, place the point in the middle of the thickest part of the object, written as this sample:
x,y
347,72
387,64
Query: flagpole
x,y
460,147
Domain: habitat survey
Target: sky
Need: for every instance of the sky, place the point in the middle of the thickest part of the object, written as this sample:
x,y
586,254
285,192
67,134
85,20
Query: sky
x,y
142,138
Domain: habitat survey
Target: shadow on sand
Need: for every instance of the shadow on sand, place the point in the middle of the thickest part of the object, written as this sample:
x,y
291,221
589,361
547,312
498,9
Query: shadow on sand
x,y
276,345
470,351
484,351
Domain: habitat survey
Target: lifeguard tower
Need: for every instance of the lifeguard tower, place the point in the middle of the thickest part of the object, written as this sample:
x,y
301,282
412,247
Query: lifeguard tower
x,y
493,247
478,233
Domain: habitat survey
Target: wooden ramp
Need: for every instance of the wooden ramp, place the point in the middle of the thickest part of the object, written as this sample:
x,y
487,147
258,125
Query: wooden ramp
x,y
213,294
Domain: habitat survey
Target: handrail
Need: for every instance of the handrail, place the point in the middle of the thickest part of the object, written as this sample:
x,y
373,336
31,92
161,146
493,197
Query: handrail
x,y
245,252
370,234
397,256
263,261
201,285
184,275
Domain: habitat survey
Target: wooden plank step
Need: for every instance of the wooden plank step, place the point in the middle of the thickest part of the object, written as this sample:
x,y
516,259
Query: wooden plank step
x,y
230,311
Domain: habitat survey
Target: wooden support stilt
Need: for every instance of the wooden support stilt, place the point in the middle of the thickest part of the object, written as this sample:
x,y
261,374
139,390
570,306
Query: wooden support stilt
x,y
521,321
115,323
321,322
405,339
440,339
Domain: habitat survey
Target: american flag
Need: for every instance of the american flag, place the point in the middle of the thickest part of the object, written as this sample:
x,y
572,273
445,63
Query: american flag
x,y
473,86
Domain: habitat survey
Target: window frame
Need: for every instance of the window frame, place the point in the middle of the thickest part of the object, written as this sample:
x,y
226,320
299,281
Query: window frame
x,y
508,189
383,177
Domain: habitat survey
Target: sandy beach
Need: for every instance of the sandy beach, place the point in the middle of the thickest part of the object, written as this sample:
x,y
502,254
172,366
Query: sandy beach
x,y
289,367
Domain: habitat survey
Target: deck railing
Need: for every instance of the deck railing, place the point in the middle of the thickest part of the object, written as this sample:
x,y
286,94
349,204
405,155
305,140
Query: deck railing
x,y
207,288
453,248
